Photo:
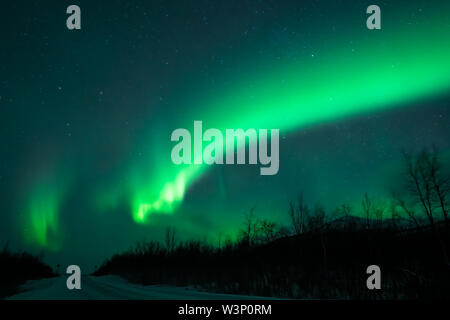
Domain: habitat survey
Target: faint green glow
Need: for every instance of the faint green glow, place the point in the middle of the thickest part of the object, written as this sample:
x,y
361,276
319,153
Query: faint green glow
x,y
42,218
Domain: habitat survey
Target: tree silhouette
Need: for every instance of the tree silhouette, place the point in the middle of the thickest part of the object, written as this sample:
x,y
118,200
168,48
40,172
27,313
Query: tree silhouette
x,y
170,239
298,215
421,171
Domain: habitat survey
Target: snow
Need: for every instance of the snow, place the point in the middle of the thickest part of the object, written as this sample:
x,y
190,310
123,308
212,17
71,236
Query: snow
x,y
113,288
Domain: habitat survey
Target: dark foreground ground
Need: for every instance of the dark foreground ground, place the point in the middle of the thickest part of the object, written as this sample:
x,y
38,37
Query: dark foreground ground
x,y
17,268
326,263
329,263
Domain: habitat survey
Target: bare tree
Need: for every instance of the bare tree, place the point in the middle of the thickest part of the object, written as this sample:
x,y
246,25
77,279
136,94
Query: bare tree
x,y
379,212
398,201
394,214
283,231
252,227
345,210
170,239
228,242
316,220
298,215
440,182
420,185
269,230
343,213
219,240
367,207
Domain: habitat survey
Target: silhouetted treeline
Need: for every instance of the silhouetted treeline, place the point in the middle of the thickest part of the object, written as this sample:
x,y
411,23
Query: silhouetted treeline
x,y
17,268
320,254
321,264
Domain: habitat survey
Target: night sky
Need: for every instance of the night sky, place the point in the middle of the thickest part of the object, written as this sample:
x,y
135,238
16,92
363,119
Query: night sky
x,y
86,115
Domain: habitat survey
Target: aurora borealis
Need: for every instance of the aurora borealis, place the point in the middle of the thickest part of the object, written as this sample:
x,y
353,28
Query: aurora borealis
x,y
87,115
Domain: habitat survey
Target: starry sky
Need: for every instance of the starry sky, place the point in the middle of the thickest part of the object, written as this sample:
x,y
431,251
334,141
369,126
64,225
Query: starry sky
x,y
86,115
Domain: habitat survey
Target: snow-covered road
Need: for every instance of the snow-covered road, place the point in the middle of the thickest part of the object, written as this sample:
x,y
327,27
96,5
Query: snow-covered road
x,y
115,288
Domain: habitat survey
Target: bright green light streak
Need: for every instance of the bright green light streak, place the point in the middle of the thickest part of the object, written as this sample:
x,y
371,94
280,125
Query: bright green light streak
x,y
168,199
390,68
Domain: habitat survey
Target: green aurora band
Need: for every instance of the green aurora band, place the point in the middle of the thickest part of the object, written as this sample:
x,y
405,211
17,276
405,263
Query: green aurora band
x,y
389,70
386,74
